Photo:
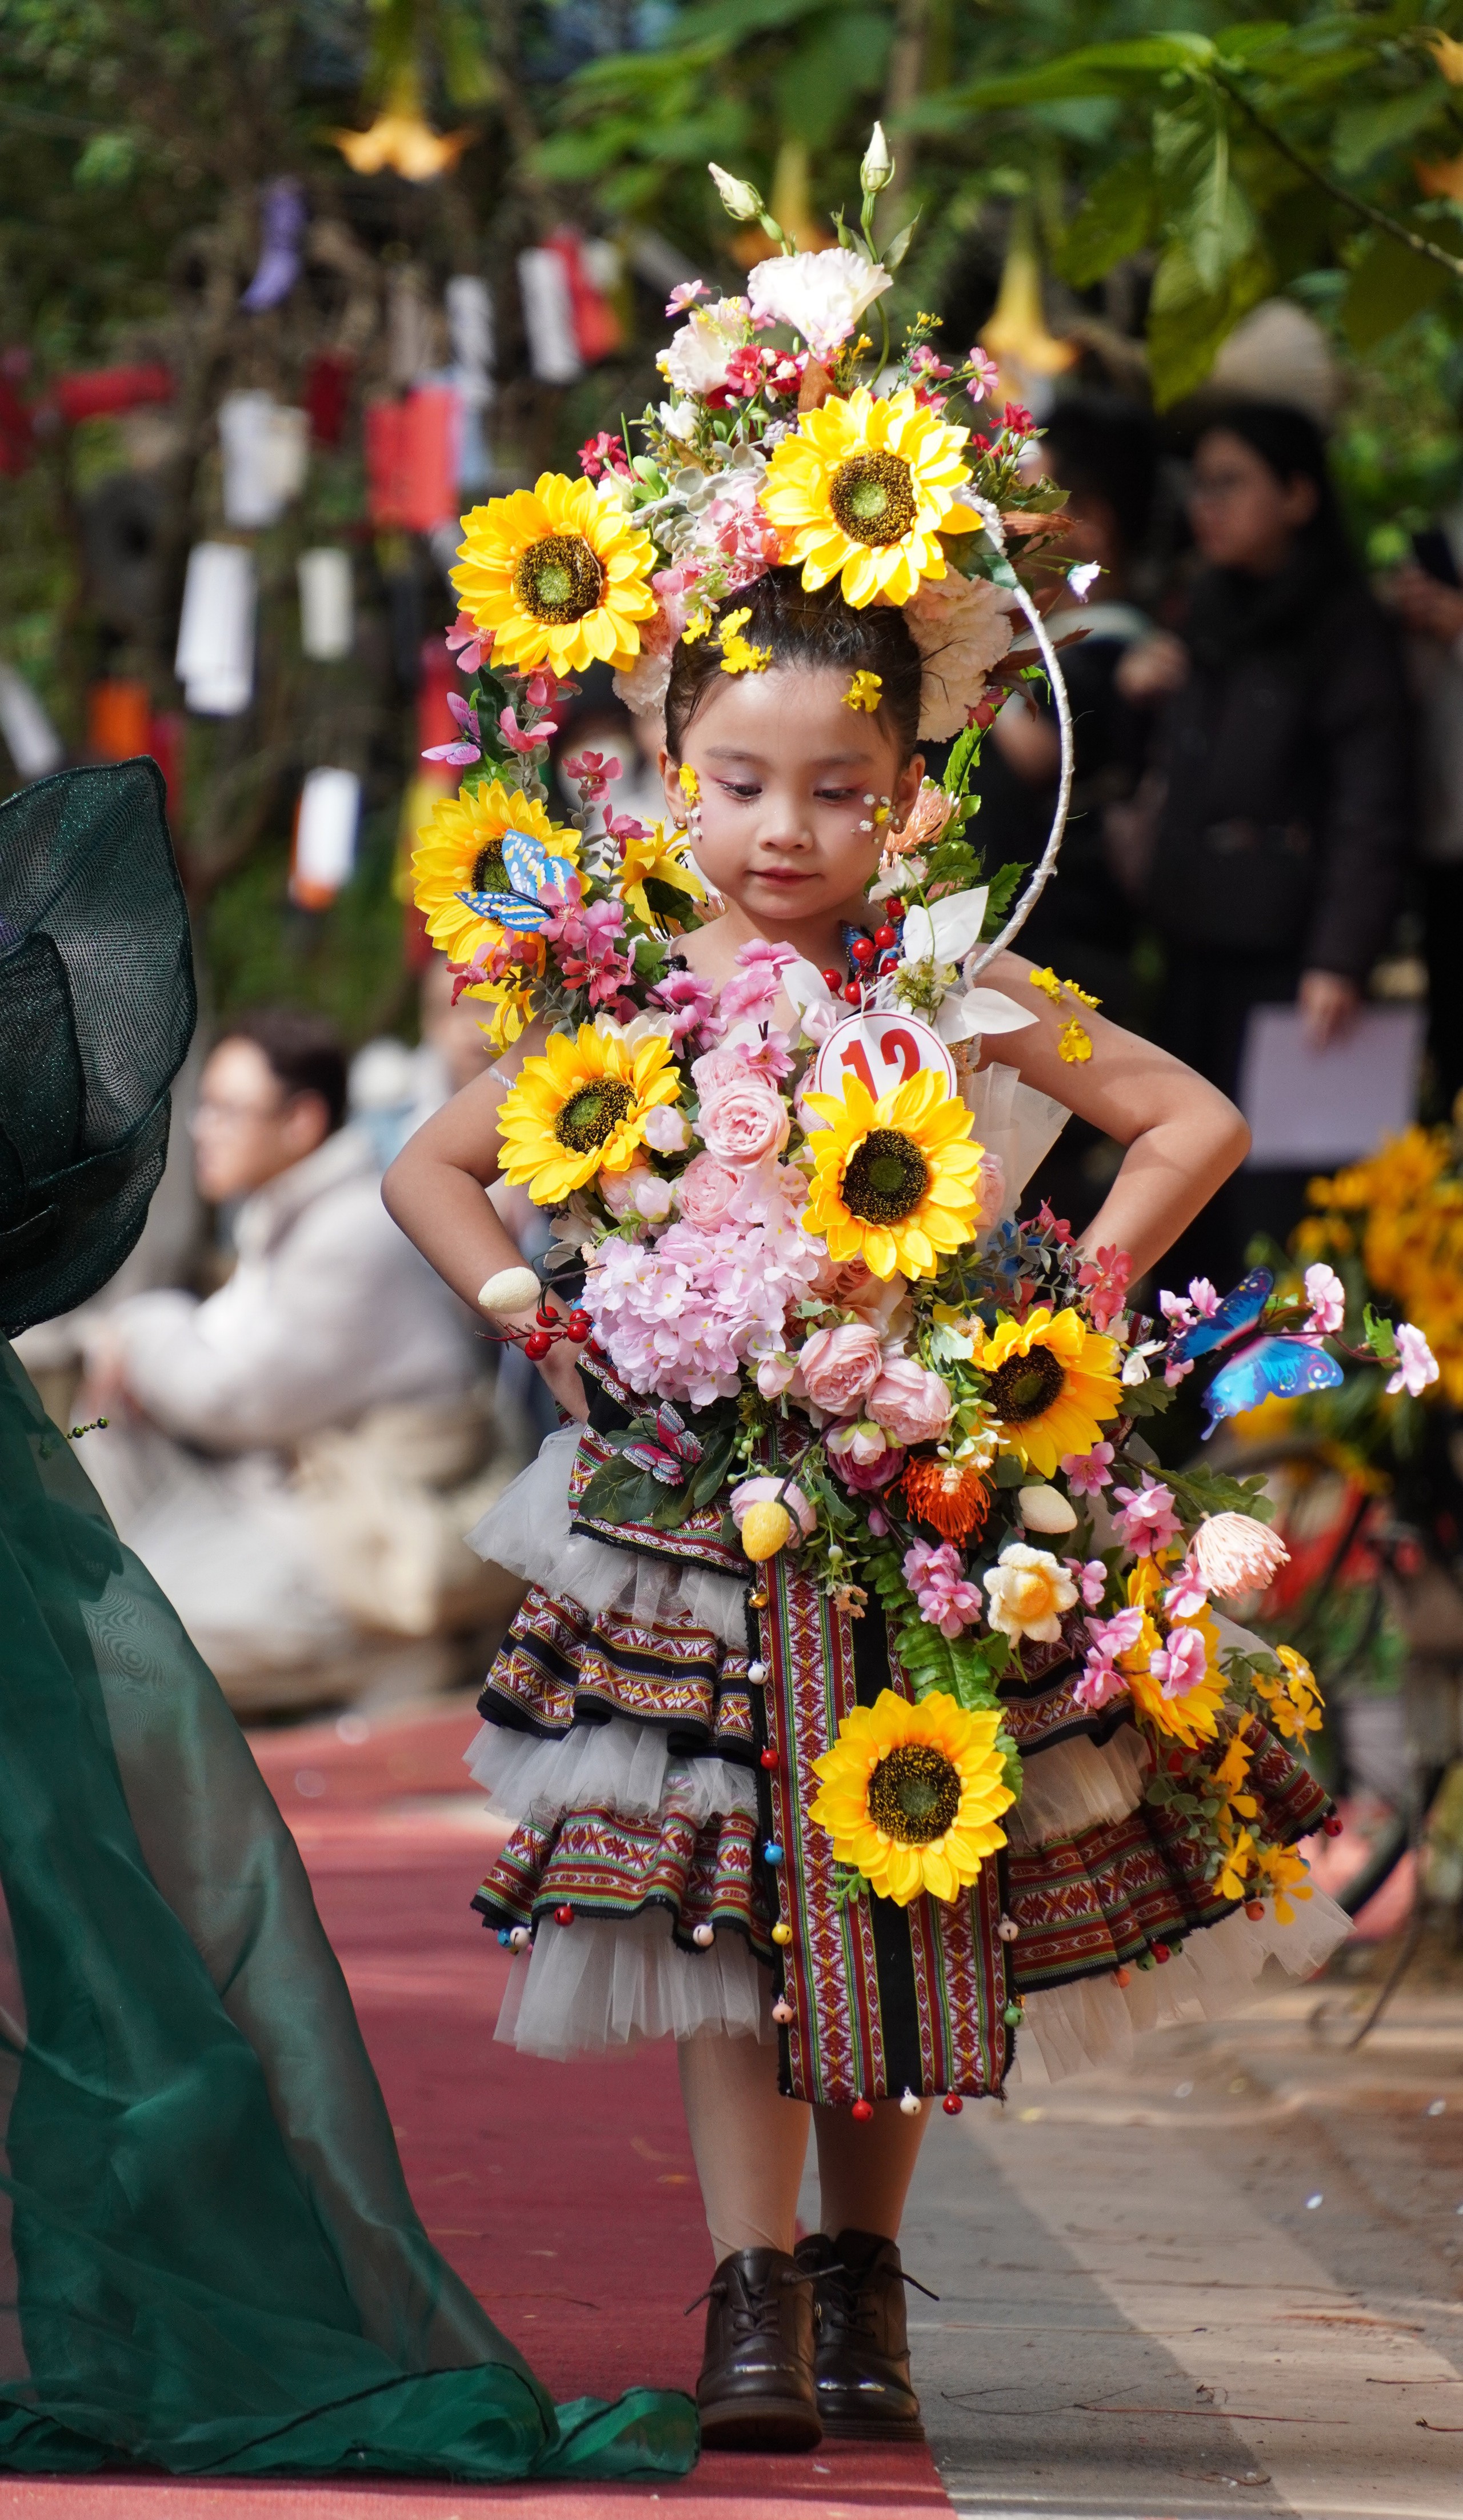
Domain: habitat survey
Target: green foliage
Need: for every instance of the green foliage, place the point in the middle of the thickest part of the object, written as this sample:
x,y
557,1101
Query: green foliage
x,y
965,1667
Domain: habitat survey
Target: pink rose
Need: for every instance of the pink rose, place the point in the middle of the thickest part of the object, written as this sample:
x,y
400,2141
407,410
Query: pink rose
x,y
844,1281
707,1190
839,1365
744,1119
913,1403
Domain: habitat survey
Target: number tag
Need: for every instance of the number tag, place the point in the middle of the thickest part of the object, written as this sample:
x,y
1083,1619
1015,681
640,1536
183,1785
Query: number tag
x,y
883,1052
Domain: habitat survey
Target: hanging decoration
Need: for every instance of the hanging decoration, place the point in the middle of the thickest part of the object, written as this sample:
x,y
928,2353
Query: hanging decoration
x,y
411,459
327,623
30,739
401,141
548,316
215,653
469,326
118,719
266,449
282,229
326,824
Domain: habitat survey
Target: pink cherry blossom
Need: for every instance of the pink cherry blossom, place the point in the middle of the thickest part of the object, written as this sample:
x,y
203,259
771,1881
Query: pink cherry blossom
x,y
754,986
1176,1369
687,997
984,376
1180,1664
525,739
1417,1366
1203,1298
1088,1473
1327,1298
1186,1597
467,643
1090,1579
1147,1521
1176,1310
948,1600
684,295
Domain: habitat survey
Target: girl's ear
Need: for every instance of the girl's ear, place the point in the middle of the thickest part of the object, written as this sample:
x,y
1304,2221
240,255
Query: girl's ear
x,y
670,780
907,789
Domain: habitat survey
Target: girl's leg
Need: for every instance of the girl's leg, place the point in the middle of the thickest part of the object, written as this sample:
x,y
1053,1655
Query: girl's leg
x,y
749,2144
865,2170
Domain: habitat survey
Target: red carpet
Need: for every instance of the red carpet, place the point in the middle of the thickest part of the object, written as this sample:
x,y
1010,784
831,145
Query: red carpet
x,y
564,2194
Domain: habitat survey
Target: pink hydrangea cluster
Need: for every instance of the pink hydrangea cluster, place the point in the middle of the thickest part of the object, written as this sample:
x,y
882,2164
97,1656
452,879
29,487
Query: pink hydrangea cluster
x,y
681,1315
947,1598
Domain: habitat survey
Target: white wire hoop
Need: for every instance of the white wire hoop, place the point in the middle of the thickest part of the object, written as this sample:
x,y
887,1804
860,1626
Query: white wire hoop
x,y
1042,874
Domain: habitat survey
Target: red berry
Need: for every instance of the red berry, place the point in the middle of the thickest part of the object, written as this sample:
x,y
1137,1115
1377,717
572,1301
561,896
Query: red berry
x,y
1122,1977
1254,1910
952,2104
579,1326
863,2111
769,1759
1160,1951
884,937
852,994
895,909
536,1344
834,980
862,950
563,1916
546,1317
1334,1825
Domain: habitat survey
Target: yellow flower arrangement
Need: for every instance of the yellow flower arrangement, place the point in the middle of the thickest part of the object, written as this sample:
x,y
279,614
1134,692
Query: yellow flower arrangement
x,y
863,492
1052,1383
653,859
1402,1212
911,1795
1286,1875
461,851
581,1109
894,1182
1194,1717
560,575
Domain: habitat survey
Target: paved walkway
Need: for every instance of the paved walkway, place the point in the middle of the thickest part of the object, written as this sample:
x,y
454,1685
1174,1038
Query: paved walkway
x,y
1142,2313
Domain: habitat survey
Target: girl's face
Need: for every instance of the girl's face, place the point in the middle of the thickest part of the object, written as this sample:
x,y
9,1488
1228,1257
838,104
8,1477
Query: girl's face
x,y
784,766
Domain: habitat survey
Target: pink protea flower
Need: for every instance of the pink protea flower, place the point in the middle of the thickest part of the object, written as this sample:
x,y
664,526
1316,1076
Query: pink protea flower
x,y
948,1600
1232,1554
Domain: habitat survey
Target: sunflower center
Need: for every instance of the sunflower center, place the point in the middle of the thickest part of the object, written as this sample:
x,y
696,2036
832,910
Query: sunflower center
x,y
593,1115
558,579
489,874
884,1178
914,1793
873,497
1025,1385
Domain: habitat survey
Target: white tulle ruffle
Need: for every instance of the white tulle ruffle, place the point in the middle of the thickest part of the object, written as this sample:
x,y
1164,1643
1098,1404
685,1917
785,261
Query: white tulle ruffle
x,y
1069,2029
528,1532
1076,1785
609,1985
1014,1122
620,1766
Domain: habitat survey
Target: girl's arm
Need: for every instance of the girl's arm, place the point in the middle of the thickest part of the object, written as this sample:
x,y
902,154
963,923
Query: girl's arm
x,y
435,1189
1184,1136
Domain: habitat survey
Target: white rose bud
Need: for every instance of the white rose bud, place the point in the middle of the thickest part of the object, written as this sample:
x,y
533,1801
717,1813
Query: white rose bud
x,y
877,168
740,200
512,1290
1045,1509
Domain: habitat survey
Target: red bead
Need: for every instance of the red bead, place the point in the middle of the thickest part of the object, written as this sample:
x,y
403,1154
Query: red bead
x,y
952,2104
580,1323
896,909
536,1344
1122,1977
1334,1825
863,2111
546,1317
884,937
1254,1910
1160,1951
852,994
862,950
563,1916
769,1759
834,980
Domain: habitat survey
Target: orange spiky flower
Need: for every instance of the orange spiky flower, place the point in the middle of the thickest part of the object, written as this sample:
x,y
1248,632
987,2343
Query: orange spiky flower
x,y
954,1499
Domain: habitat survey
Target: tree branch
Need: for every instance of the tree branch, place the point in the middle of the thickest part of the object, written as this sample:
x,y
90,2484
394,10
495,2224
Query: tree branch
x,y
1364,211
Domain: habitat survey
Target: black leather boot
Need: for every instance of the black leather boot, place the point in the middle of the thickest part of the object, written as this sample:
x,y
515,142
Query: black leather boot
x,y
863,2356
756,2390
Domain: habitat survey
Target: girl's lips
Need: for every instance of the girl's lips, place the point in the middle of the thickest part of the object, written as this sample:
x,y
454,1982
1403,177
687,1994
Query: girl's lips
x,y
781,874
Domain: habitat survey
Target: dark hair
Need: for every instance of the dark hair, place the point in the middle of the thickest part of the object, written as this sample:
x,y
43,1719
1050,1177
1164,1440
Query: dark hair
x,y
1105,447
1289,442
304,1052
801,629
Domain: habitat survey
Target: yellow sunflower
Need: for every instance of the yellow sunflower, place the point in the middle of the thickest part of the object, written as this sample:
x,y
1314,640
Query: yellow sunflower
x,y
867,487
897,1182
460,850
651,860
1195,1716
1052,1382
911,1794
559,574
581,1109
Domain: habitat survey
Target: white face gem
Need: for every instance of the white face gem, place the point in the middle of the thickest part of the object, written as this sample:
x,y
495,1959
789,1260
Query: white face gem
x,y
868,800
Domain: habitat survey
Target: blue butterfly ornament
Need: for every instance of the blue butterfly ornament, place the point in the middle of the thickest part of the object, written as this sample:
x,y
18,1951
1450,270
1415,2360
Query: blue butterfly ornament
x,y
530,864
1278,1365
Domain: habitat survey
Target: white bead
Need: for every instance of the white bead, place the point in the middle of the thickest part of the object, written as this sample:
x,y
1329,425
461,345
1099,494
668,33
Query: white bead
x,y
910,2106
703,1936
1007,1929
518,1940
781,2009
868,800
756,1671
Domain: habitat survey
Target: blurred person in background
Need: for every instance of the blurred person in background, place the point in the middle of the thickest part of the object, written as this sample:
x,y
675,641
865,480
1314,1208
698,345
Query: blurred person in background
x,y
1280,792
281,1453
1427,595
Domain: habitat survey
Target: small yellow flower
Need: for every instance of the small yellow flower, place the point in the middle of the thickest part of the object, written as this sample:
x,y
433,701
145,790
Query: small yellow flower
x,y
1075,1044
654,880
865,692
911,1795
690,785
1234,1871
739,655
1049,984
1288,1875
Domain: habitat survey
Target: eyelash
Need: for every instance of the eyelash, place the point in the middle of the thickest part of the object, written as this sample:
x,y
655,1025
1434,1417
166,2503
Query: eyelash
x,y
824,795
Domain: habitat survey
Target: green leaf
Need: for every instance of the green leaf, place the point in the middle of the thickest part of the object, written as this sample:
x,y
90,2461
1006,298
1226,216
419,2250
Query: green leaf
x,y
1363,132
1381,1337
892,255
619,1493
1116,219
1388,286
1096,70
106,162
1187,322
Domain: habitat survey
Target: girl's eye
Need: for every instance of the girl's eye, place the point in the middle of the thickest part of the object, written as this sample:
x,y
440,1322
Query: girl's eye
x,y
732,787
836,795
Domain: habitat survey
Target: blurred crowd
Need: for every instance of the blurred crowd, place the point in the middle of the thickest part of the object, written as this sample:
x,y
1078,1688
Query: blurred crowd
x,y
303,1425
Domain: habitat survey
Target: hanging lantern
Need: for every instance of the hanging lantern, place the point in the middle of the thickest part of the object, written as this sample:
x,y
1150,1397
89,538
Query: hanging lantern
x,y
215,656
326,824
30,739
401,139
118,720
411,459
266,449
327,623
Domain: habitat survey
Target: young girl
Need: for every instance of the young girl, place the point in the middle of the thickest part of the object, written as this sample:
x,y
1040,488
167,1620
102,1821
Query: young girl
x,y
613,1732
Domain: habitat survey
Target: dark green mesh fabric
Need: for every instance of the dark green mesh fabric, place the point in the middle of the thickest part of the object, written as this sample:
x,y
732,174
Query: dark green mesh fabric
x,y
96,1012
209,2262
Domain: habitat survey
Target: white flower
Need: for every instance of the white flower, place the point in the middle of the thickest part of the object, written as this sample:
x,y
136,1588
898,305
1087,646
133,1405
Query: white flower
x,y
1417,1366
1084,578
1327,1298
697,359
642,686
820,295
1026,1592
1136,1362
652,1198
962,627
667,1130
679,419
